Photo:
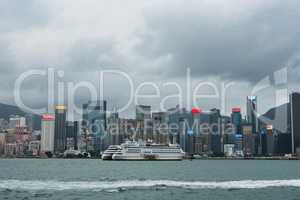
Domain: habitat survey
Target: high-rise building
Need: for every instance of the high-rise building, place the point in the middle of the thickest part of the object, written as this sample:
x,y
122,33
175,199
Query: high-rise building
x,y
16,121
279,118
216,133
295,125
252,112
200,132
72,131
47,134
143,112
186,133
127,128
2,143
248,140
236,120
268,141
94,112
283,144
60,136
200,137
29,121
95,121
160,130
175,115
113,123
144,122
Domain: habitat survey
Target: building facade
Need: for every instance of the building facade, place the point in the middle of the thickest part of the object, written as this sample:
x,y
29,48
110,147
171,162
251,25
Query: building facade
x,y
72,131
60,136
236,120
144,122
295,125
160,128
94,116
252,112
47,133
16,121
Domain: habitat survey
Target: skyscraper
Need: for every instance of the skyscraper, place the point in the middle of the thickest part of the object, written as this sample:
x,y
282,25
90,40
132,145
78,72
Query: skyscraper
x,y
113,123
143,119
236,120
159,127
94,120
174,117
295,125
29,121
251,112
248,138
47,134
186,132
253,121
143,112
60,136
216,133
72,129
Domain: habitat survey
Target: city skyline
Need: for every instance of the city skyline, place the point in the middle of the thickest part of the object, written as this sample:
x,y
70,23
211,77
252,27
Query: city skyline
x,y
197,131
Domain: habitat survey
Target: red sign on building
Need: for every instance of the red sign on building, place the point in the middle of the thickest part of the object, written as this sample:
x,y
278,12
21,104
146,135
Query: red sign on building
x,y
235,110
48,117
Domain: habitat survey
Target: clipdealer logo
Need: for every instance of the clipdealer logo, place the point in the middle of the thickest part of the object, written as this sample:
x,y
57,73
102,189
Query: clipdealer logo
x,y
62,92
65,92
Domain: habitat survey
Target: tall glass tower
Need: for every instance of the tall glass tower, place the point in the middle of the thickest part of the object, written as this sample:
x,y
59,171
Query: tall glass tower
x,y
94,120
295,125
60,136
251,112
236,120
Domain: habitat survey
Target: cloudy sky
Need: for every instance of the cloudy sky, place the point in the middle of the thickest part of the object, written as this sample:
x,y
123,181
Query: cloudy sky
x,y
243,44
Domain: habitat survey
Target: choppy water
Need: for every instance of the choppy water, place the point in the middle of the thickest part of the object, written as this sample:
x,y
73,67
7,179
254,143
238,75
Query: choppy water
x,y
198,179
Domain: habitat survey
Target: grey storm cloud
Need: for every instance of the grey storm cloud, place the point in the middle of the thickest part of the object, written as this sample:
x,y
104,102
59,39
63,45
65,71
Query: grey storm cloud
x,y
209,38
93,55
244,46
155,41
17,17
6,58
22,15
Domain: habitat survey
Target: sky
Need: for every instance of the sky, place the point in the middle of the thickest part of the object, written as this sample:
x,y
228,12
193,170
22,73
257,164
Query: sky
x,y
250,46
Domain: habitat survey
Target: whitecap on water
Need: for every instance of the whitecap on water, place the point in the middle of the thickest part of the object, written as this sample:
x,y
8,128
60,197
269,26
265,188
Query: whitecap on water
x,y
114,186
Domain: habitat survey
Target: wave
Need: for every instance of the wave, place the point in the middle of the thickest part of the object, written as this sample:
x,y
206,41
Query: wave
x,y
142,184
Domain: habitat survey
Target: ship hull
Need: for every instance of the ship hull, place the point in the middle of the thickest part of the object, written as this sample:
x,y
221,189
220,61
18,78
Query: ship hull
x,y
147,157
106,156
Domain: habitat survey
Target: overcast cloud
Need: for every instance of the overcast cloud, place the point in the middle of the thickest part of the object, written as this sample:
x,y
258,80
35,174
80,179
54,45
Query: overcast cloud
x,y
222,41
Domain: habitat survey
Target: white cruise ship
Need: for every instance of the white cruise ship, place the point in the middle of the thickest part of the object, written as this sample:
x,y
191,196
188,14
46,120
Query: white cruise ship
x,y
142,151
108,153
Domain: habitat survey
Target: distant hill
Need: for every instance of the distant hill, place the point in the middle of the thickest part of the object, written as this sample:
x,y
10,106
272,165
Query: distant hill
x,y
279,117
7,110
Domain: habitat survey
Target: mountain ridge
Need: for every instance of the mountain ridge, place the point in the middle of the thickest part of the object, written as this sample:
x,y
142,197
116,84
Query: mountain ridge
x,y
7,110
